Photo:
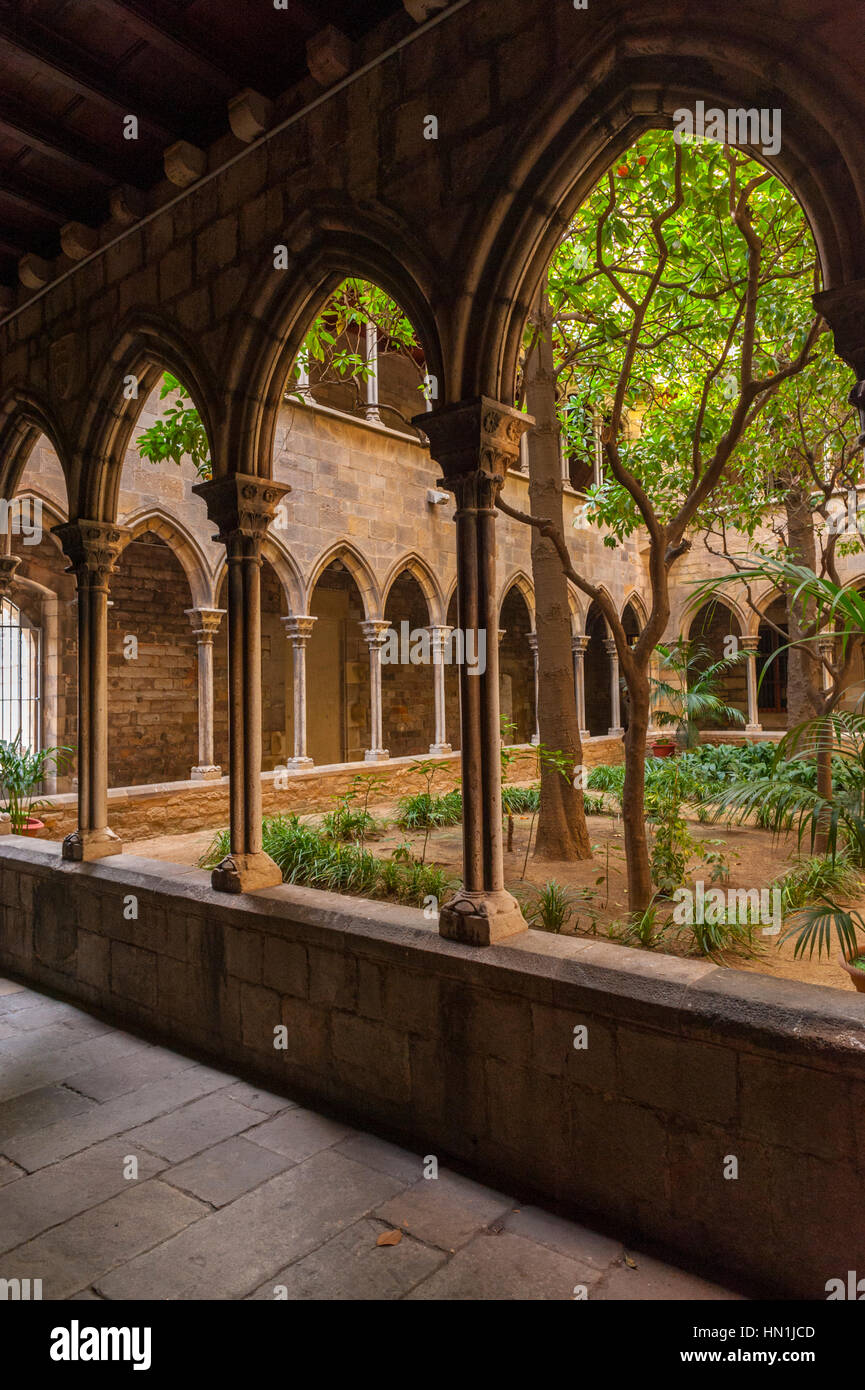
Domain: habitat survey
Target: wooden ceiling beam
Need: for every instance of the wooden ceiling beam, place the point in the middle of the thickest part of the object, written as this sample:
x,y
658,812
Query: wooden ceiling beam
x,y
53,140
170,39
80,73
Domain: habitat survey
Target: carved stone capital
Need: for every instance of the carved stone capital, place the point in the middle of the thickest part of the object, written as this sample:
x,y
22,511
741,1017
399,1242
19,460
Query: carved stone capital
x,y
844,310
750,643
580,644
205,622
298,628
242,507
8,566
480,436
93,549
375,631
532,639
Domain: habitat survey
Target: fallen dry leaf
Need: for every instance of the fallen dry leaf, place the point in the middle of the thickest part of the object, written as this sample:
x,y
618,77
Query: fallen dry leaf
x,y
632,1264
389,1238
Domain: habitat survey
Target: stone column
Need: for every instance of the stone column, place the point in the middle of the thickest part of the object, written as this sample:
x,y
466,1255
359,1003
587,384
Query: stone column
x,y
92,548
205,624
439,634
375,634
475,442
579,646
751,645
533,643
299,630
615,695
371,410
242,507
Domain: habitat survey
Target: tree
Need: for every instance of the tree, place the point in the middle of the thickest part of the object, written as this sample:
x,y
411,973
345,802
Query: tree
x,y
682,293
562,831
798,481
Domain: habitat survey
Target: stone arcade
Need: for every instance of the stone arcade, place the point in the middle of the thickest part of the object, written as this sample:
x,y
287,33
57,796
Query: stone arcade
x,y
467,1051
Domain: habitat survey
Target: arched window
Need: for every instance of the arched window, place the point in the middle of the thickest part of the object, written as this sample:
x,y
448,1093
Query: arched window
x,y
19,677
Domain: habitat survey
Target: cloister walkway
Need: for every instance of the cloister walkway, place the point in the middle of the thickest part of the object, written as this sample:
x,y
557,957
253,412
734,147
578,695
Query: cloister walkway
x,y
242,1194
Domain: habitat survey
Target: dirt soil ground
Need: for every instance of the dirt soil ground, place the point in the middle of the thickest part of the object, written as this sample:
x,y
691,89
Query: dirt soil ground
x,y
754,859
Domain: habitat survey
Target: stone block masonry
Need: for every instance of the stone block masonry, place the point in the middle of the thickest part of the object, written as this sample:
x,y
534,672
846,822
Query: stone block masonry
x,y
179,808
713,1111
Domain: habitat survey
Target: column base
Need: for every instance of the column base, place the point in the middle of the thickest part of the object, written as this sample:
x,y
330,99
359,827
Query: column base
x,y
244,873
615,733
481,919
205,773
84,845
293,763
753,728
441,748
584,734
535,740
376,755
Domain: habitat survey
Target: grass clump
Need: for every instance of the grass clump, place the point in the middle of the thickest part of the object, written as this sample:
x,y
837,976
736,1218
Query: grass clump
x,y
313,858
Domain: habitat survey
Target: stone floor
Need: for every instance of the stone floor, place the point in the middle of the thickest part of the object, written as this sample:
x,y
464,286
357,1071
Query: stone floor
x,y
129,1171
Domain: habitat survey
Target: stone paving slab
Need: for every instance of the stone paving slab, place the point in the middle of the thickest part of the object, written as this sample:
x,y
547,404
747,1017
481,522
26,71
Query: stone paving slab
x,y
446,1211
184,1132
37,1201
352,1266
500,1265
567,1237
37,1064
226,1171
299,1134
231,1252
258,1099
37,1109
124,1074
652,1279
241,1193
66,1137
71,1256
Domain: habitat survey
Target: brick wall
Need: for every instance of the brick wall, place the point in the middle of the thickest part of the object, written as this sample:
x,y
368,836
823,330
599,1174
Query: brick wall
x,y
470,1054
152,699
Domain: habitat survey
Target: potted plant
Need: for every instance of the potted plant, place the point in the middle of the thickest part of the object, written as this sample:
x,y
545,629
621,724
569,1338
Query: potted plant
x,y
680,704
814,926
22,770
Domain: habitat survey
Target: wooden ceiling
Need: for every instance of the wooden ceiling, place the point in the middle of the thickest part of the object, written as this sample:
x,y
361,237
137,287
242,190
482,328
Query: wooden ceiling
x,y
71,70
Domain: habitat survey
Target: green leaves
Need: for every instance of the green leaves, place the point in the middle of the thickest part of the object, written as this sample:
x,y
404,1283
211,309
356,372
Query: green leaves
x,y
177,434
679,383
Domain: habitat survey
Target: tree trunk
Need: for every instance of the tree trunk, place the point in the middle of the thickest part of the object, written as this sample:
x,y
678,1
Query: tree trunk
x,y
802,544
562,831
634,796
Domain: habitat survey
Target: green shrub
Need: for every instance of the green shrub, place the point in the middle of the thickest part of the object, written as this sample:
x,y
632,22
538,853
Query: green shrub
x,y
311,857
423,811
552,906
345,824
521,801
814,877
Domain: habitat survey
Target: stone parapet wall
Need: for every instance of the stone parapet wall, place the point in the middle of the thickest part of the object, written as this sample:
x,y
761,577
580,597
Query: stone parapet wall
x,y
470,1054
178,808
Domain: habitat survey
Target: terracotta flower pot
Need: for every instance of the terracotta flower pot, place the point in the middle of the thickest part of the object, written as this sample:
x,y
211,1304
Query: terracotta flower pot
x,y
32,826
664,748
856,973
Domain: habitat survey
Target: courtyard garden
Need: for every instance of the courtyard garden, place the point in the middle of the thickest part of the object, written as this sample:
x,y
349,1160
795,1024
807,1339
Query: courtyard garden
x,y
720,821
